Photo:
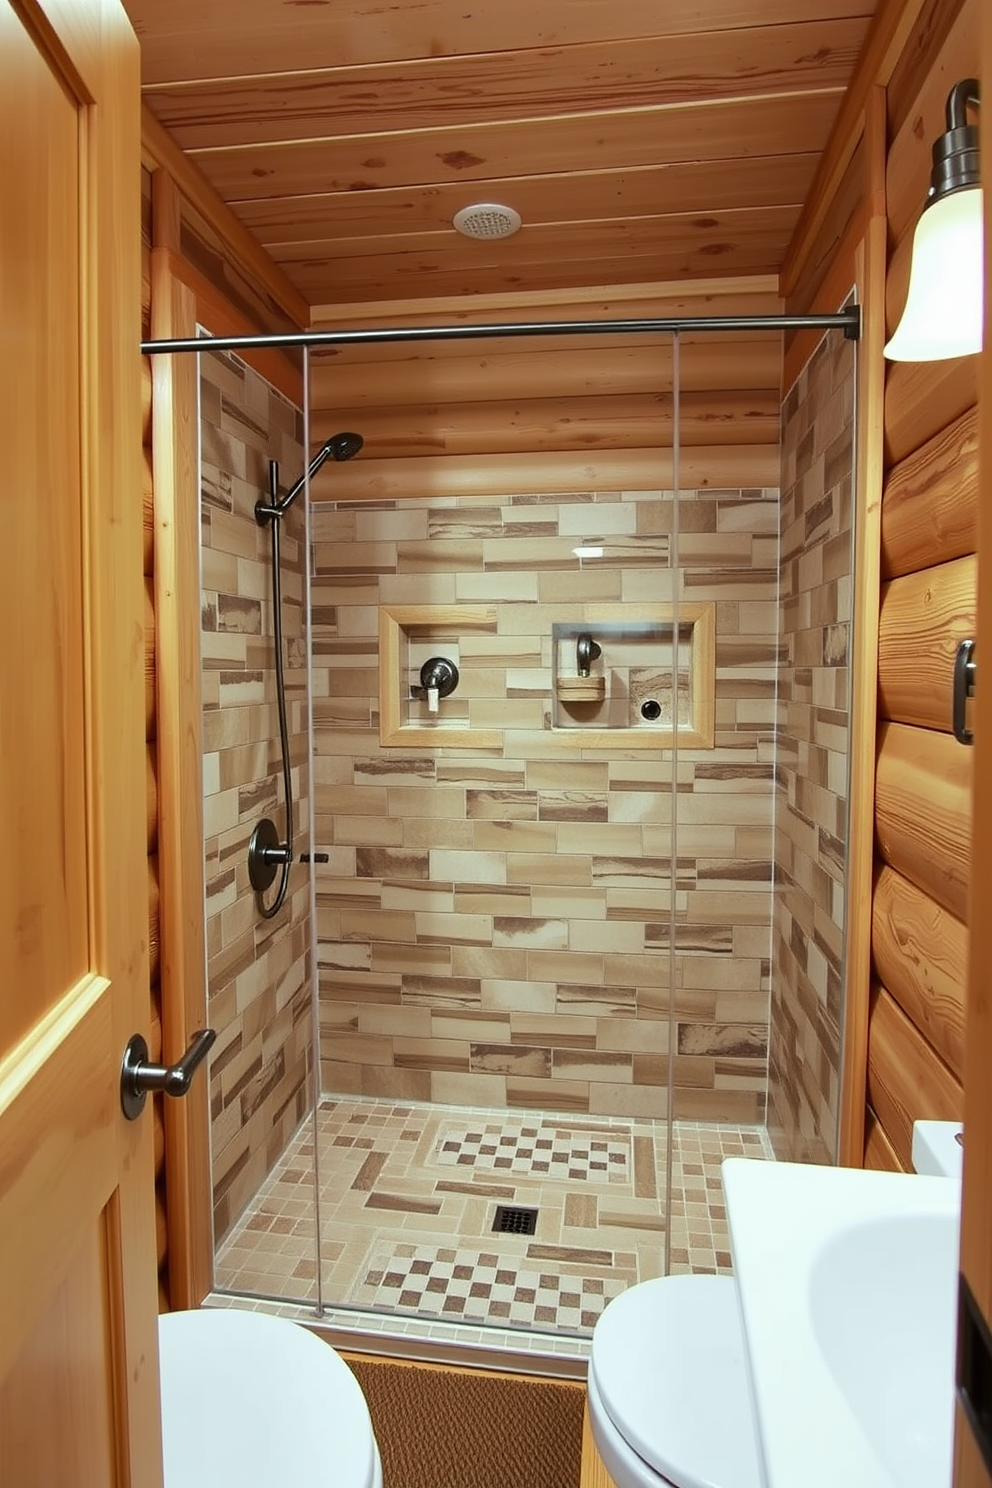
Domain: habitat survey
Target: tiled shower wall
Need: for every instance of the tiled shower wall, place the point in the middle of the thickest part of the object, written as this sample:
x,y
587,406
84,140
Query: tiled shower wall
x,y
258,970
811,812
494,922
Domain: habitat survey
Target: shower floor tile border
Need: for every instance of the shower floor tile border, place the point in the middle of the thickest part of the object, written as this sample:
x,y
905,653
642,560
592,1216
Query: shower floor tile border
x,y
405,1188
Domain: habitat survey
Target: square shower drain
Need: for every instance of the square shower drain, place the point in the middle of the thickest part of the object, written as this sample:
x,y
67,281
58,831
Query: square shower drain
x,y
512,1220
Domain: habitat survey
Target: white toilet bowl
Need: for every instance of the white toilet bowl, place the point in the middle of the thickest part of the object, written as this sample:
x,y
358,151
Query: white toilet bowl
x,y
669,1401
253,1401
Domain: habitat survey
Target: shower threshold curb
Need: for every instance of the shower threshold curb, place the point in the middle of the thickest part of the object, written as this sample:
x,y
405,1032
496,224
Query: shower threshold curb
x,y
513,1351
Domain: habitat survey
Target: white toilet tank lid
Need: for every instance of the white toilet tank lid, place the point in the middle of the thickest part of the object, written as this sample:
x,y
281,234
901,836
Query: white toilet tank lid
x,y
259,1402
668,1359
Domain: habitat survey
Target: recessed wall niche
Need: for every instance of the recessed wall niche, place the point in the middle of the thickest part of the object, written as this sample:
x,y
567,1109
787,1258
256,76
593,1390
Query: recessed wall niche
x,y
628,667
409,636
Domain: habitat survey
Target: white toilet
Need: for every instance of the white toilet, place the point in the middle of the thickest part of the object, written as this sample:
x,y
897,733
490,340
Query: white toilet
x,y
669,1400
253,1401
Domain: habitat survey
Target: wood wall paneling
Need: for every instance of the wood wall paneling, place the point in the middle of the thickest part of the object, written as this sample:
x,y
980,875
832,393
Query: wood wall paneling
x,y
923,618
922,399
923,811
930,509
921,954
879,1153
719,466
907,1081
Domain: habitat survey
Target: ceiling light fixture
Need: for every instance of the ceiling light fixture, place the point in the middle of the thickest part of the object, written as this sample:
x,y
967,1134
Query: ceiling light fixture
x,y
486,220
944,311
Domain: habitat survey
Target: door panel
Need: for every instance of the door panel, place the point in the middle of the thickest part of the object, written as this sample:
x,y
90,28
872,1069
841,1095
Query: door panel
x,y
78,1284
42,891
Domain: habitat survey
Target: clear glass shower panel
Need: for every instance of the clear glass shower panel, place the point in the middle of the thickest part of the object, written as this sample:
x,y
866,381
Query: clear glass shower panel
x,y
494,865
258,968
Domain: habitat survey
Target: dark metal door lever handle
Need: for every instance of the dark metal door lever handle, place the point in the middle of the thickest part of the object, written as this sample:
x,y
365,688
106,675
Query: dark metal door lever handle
x,y
139,1078
964,688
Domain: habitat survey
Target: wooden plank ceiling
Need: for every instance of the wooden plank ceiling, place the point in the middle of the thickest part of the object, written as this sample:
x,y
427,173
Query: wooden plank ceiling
x,y
640,140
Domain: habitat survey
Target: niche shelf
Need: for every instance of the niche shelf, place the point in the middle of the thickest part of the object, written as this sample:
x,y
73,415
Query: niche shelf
x,y
406,631
643,666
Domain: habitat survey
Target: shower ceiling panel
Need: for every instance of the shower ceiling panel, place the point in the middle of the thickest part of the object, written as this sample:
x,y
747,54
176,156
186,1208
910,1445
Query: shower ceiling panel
x,y
638,141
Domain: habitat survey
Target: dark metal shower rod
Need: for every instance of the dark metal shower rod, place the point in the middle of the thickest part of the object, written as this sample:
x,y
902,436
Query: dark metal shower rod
x,y
848,321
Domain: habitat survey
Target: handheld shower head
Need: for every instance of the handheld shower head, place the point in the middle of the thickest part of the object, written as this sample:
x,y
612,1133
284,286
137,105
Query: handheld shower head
x,y
344,446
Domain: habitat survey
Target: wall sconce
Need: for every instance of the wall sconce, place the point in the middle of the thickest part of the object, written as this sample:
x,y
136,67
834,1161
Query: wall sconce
x,y
945,305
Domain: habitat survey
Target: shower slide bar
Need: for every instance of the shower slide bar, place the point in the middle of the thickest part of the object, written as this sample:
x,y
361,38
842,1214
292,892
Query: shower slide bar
x,y
848,321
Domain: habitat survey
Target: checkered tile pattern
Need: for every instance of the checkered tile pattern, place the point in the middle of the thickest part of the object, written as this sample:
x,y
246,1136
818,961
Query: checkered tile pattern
x,y
536,1150
484,1286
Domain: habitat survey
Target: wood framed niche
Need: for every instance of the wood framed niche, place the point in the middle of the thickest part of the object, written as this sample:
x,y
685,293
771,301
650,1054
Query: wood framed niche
x,y
407,635
623,687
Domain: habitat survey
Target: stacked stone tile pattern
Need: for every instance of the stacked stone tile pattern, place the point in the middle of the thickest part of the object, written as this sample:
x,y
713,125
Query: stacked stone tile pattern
x,y
815,612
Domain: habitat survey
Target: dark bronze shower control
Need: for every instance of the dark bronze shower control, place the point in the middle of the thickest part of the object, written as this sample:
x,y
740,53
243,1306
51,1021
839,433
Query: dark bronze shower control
x,y
139,1078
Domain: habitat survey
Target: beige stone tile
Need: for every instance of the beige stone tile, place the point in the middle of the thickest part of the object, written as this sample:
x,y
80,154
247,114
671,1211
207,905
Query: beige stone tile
x,y
468,867
474,1089
454,929
509,996
553,902
480,899
613,935
549,868
500,963
515,837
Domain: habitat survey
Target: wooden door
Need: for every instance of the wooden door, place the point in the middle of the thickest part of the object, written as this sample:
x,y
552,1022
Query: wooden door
x,y
78,1292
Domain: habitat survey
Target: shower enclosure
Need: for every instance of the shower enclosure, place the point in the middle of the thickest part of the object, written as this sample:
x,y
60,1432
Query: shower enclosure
x,y
551,907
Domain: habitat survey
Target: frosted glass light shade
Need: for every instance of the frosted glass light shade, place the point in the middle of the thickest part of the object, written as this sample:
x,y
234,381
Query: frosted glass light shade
x,y
945,306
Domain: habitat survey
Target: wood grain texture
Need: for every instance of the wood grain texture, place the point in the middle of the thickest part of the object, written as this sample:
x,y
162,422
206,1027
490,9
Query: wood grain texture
x,y
923,811
923,398
923,618
159,148
583,195
718,466
907,1081
879,1153
617,139
869,266
431,92
910,160
909,75
594,1474
891,28
232,37
446,375
588,424
445,263
921,956
976,1194
177,585
930,505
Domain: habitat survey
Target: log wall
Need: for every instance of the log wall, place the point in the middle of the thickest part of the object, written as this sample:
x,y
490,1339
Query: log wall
x,y
928,594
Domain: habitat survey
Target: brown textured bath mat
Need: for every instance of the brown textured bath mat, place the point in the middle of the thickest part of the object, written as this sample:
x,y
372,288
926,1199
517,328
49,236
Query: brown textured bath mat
x,y
448,1428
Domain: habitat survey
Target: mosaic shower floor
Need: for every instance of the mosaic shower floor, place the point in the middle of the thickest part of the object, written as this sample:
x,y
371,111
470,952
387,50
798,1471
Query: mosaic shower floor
x,y
408,1196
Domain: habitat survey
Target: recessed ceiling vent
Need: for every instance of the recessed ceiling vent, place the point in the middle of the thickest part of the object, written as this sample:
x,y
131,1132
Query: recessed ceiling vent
x,y
486,220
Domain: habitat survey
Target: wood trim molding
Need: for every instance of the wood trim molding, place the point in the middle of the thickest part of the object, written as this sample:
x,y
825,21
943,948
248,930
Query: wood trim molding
x,y
891,29
160,152
525,305
871,259
177,604
219,317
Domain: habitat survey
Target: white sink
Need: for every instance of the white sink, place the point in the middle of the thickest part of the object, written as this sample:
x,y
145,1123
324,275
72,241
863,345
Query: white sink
x,y
847,1283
